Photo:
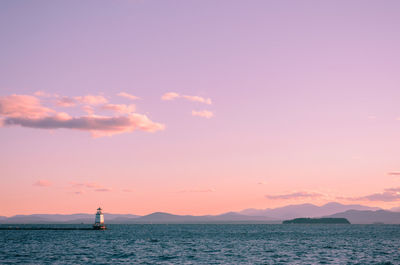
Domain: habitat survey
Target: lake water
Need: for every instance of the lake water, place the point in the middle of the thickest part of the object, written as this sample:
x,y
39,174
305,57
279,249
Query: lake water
x,y
205,244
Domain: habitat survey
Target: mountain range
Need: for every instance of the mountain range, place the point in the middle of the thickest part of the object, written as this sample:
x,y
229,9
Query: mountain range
x,y
356,214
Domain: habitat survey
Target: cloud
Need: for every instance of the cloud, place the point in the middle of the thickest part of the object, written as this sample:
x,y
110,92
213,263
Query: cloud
x,y
91,99
262,183
27,111
65,102
103,190
203,113
86,184
97,125
119,108
42,183
197,191
394,173
388,195
170,96
198,99
174,95
16,106
88,109
294,195
126,95
79,192
44,94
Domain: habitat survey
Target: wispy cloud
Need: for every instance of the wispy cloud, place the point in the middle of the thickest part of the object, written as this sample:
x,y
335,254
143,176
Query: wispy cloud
x,y
27,111
394,173
127,95
203,113
174,95
16,106
197,191
44,94
119,108
103,190
388,195
91,99
170,96
42,183
65,102
86,184
294,195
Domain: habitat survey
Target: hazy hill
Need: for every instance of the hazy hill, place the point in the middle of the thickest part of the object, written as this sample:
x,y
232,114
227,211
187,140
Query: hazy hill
x,y
61,218
223,218
395,209
369,217
305,210
354,213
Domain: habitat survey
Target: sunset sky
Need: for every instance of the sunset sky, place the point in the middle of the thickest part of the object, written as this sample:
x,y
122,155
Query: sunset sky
x,y
198,107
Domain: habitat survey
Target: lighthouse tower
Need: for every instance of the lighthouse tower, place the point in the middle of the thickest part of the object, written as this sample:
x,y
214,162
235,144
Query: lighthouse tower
x,y
99,220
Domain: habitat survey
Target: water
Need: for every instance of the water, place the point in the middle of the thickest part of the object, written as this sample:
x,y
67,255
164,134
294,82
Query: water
x,y
205,244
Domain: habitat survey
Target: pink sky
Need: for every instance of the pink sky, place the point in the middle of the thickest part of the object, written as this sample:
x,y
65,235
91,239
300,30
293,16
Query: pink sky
x,y
198,107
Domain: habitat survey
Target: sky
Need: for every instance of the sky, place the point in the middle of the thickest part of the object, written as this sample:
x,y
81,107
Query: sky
x,y
198,107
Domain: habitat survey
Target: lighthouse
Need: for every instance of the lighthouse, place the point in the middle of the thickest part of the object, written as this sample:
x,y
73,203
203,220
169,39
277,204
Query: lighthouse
x,y
99,220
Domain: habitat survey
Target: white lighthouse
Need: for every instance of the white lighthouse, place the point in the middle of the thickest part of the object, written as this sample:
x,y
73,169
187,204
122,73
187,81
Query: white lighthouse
x,y
99,220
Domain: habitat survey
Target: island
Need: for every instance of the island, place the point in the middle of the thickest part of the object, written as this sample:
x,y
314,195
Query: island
x,y
317,221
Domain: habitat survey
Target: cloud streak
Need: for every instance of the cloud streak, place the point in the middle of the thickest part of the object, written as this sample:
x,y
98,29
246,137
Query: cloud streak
x,y
203,113
388,195
127,95
91,99
27,111
42,183
97,125
294,195
174,95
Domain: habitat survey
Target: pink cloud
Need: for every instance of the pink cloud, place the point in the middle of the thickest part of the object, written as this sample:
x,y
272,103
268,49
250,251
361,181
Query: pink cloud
x,y
91,99
174,95
388,195
126,95
119,108
198,99
44,94
42,183
170,96
203,113
86,184
103,190
97,125
88,109
197,191
394,173
27,111
16,106
65,102
294,195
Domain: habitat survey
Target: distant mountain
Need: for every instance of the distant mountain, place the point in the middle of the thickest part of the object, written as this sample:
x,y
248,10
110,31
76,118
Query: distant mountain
x,y
369,217
155,218
231,217
246,216
305,210
61,218
395,209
